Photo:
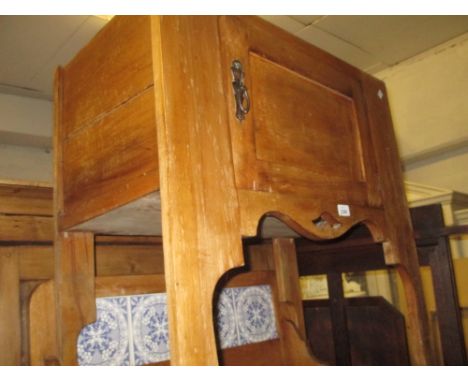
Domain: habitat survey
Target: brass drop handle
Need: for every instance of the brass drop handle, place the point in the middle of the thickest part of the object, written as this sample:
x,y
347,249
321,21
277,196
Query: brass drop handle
x,y
241,94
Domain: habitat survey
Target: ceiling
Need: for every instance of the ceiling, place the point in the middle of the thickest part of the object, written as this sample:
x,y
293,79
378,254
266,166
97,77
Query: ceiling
x,y
31,47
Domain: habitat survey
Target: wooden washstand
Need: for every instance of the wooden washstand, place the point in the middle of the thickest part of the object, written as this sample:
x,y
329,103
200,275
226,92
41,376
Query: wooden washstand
x,y
198,128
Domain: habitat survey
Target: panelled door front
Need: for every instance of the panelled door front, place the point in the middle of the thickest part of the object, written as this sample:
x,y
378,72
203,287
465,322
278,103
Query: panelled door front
x,y
297,117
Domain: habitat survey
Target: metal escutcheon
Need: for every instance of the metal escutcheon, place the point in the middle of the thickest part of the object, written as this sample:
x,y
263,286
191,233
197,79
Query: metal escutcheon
x,y
240,91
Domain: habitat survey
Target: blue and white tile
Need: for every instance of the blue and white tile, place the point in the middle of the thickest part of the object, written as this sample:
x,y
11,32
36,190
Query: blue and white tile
x,y
255,314
225,320
105,342
150,329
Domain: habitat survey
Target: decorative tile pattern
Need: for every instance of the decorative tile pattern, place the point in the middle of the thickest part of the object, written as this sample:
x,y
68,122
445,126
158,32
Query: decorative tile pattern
x,y
226,324
105,342
255,314
133,330
150,328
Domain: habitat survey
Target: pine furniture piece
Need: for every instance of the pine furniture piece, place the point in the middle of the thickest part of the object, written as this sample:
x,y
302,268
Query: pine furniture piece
x,y
207,130
135,264
288,347
124,265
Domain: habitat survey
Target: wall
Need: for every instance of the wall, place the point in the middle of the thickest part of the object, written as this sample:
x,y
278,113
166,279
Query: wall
x,y
25,138
428,96
25,163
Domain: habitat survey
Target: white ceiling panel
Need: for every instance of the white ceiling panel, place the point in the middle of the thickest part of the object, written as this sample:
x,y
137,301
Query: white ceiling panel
x,y
392,39
27,43
31,47
285,22
307,20
338,47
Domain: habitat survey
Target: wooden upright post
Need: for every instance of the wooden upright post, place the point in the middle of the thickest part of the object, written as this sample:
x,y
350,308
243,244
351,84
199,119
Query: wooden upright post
x,y
290,311
10,321
74,288
200,218
74,260
399,246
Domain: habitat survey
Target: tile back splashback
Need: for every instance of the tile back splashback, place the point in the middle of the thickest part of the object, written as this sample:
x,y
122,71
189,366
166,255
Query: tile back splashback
x,y
106,341
133,330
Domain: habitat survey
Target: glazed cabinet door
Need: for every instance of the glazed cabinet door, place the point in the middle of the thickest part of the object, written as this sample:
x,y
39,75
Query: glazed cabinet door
x,y
296,115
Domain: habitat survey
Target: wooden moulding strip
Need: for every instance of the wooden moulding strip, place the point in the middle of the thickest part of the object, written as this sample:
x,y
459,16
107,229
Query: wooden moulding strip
x,y
22,198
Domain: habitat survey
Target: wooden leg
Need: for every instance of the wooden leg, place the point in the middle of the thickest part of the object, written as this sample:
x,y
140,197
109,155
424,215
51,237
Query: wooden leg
x,y
291,314
400,248
199,203
448,310
10,330
416,319
74,289
339,319
190,287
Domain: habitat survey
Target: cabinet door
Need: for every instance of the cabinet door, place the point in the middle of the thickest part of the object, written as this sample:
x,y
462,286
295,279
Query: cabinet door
x,y
306,130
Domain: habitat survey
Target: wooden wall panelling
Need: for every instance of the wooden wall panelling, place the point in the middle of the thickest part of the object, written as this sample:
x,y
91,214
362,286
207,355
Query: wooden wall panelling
x,y
399,247
201,230
10,320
